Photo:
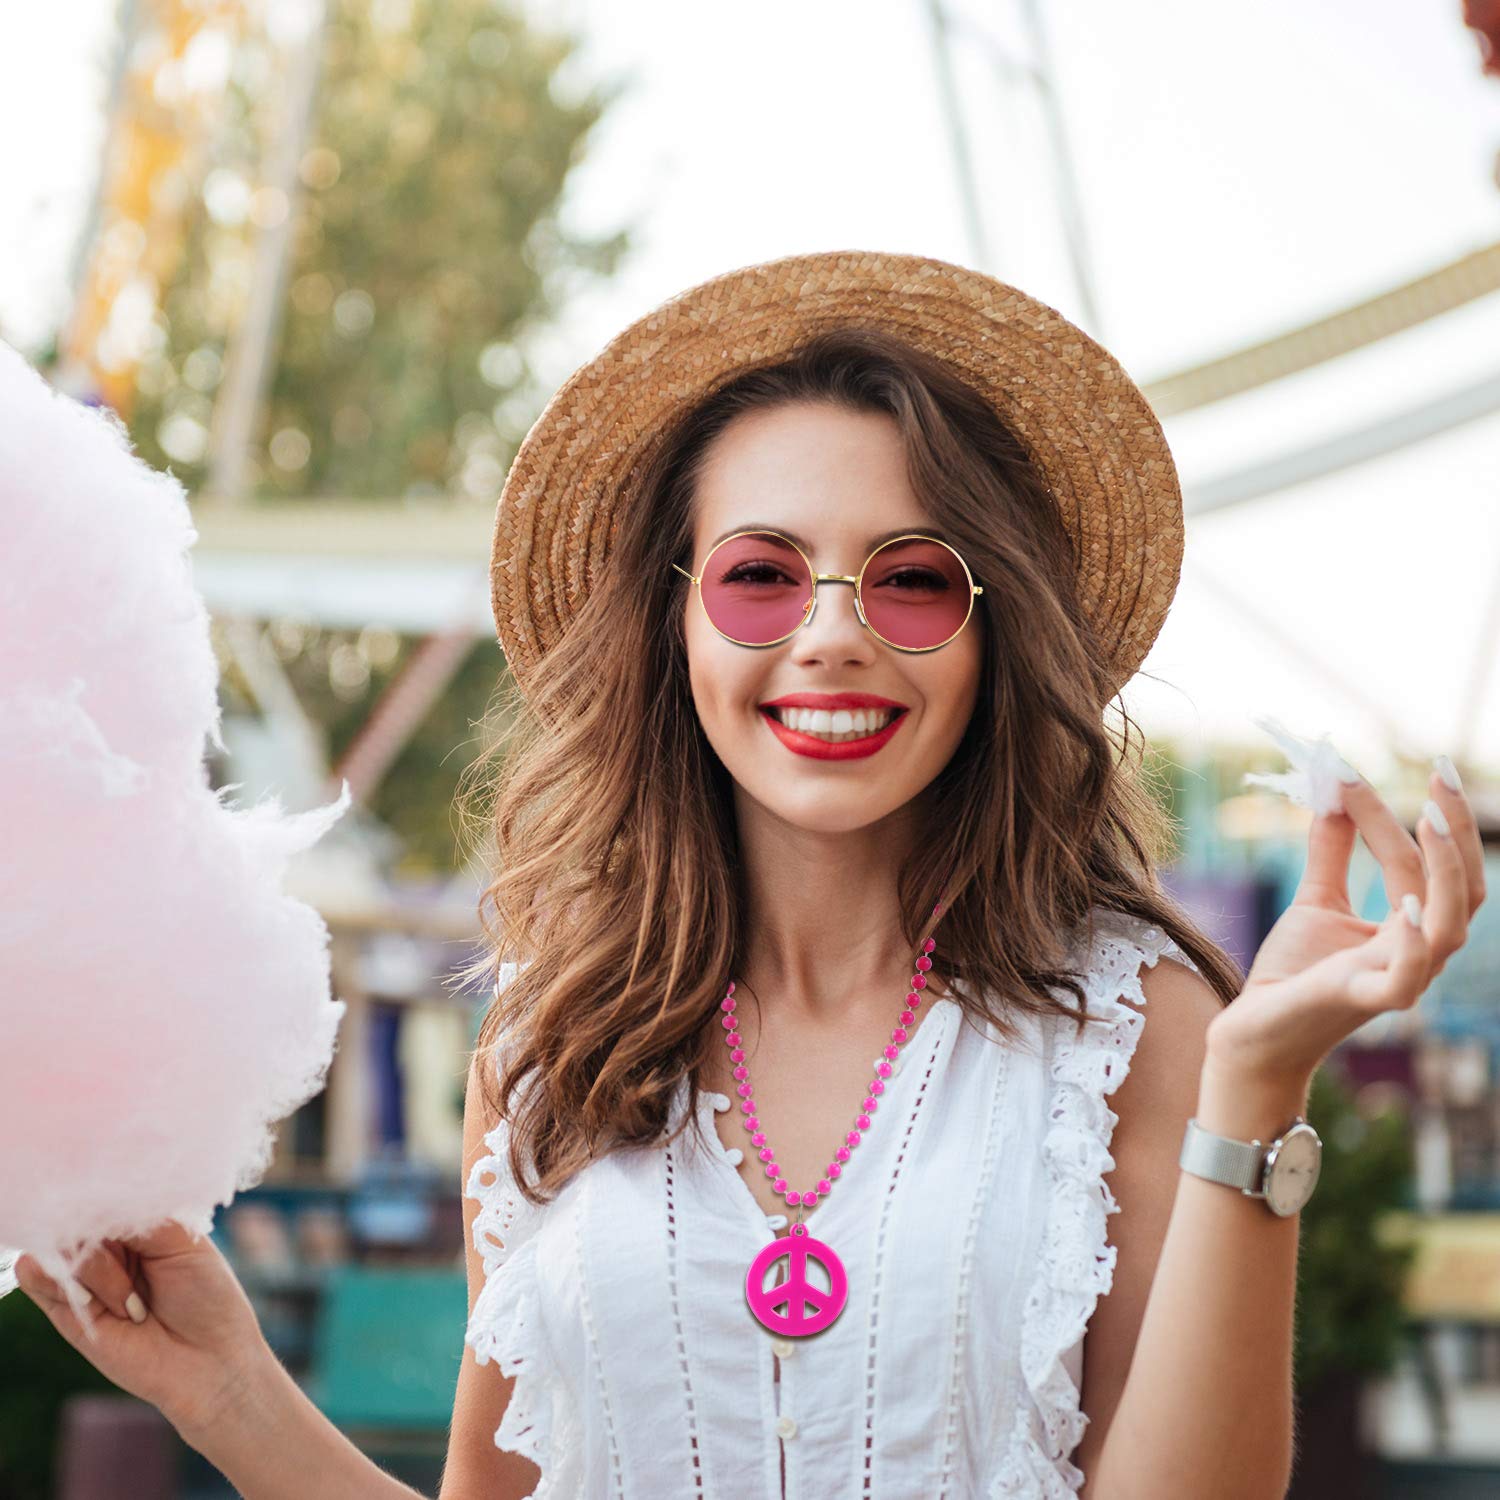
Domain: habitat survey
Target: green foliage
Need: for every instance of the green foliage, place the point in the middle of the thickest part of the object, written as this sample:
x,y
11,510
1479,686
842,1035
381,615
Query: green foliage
x,y
1349,1314
39,1370
425,243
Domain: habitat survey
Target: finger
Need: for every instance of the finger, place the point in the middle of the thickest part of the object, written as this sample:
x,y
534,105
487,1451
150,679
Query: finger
x,y
1445,916
1401,962
1465,827
78,1327
104,1274
34,1281
1330,842
1397,851
128,1257
43,1290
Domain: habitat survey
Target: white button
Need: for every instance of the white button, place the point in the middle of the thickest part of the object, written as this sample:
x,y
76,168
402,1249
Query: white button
x,y
785,1427
784,1348
775,1221
721,1102
735,1155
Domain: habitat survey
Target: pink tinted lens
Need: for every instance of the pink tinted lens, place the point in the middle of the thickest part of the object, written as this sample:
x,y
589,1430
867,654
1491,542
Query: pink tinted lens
x,y
915,593
756,588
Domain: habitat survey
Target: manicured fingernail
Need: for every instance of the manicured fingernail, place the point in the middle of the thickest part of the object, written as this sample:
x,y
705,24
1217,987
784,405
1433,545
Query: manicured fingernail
x,y
1346,772
1412,906
1446,769
136,1308
1435,816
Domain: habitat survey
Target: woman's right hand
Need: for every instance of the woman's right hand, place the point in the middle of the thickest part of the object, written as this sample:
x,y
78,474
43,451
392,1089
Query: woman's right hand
x,y
199,1342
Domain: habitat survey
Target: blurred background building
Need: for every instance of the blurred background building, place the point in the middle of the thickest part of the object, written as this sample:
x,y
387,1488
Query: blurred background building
x,y
328,258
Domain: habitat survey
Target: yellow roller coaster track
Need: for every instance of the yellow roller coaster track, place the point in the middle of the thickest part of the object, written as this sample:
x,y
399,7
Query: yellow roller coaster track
x,y
1464,280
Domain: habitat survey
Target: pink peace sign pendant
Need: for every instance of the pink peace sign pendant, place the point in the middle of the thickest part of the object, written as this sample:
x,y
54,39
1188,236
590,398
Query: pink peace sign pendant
x,y
798,1306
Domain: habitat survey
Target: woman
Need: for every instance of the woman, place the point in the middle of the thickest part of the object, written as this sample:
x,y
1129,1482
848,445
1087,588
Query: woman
x,y
897,483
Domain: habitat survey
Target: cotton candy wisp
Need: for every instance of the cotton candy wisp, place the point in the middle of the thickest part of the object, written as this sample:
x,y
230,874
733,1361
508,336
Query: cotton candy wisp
x,y
1318,771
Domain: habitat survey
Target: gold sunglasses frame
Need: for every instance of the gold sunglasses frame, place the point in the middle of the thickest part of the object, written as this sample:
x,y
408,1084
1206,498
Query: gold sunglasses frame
x,y
817,578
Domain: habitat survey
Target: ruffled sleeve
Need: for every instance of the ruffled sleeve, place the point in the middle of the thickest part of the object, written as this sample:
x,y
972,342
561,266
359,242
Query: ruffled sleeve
x,y
505,1325
1076,1264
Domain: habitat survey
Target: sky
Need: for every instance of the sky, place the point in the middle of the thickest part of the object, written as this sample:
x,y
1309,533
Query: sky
x,y
1240,170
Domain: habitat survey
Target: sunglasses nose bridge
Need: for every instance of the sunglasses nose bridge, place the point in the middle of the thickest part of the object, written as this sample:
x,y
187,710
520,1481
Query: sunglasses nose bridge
x,y
819,579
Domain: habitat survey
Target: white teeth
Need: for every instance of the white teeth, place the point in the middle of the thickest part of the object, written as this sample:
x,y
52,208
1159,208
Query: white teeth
x,y
836,725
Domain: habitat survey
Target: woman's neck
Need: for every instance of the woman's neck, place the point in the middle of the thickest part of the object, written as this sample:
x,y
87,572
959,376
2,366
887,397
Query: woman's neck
x,y
823,933
818,978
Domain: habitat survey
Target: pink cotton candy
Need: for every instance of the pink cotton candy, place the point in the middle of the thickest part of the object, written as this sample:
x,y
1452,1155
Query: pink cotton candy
x,y
163,1004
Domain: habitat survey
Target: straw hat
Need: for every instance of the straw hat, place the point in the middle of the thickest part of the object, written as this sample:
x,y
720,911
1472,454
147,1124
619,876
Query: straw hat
x,y
1083,419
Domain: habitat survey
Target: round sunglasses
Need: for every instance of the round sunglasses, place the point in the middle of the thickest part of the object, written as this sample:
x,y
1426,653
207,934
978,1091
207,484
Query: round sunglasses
x,y
757,588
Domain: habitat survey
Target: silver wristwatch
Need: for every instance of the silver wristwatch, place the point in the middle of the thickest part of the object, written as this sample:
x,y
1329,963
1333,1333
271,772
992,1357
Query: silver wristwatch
x,y
1283,1173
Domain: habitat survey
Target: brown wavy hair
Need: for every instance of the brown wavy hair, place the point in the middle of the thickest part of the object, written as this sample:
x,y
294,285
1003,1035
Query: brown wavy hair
x,y
612,844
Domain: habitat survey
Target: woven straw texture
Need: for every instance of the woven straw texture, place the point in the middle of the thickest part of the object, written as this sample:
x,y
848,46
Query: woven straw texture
x,y
1084,421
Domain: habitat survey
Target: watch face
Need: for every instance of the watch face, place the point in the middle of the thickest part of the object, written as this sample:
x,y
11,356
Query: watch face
x,y
1292,1173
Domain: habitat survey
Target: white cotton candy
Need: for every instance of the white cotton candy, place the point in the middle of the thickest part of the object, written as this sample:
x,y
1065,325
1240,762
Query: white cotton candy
x,y
163,1005
1315,782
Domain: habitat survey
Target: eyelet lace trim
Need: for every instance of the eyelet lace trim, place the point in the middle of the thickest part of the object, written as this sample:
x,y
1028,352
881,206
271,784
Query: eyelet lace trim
x,y
1076,1263
505,1325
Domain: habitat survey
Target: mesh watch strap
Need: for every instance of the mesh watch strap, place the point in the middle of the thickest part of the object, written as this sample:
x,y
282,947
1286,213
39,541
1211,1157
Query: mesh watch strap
x,y
1216,1157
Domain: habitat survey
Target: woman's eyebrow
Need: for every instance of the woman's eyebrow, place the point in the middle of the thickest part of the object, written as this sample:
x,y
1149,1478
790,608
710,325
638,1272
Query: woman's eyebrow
x,y
791,536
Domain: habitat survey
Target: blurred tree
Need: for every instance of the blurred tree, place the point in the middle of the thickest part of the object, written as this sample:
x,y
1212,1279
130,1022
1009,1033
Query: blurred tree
x,y
426,243
1350,1321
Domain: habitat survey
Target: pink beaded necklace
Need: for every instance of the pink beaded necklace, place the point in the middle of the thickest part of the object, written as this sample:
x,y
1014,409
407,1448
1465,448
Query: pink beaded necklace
x,y
796,1306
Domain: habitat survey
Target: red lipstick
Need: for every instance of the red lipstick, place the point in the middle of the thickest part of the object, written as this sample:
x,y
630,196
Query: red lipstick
x,y
816,749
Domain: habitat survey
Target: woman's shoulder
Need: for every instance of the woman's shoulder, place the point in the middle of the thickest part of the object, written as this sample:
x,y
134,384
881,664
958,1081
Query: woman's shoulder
x,y
1109,952
1116,961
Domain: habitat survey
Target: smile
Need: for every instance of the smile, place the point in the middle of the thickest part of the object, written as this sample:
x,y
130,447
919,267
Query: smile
x,y
836,736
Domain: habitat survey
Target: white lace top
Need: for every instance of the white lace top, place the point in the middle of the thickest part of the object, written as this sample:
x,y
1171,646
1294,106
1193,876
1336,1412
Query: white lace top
x,y
972,1226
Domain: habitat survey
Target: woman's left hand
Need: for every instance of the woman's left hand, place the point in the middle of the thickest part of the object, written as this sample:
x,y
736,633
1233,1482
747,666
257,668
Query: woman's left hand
x,y
1322,971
